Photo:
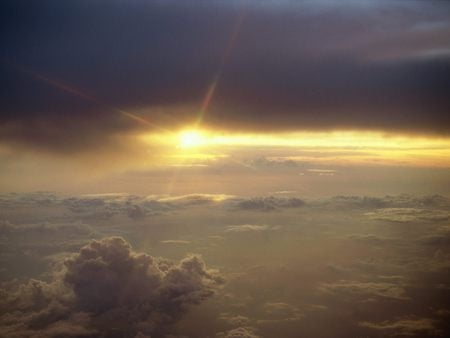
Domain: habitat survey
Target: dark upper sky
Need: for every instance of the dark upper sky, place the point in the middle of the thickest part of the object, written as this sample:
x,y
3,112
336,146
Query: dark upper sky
x,y
291,65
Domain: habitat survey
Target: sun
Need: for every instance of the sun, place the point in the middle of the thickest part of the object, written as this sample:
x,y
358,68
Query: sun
x,y
191,138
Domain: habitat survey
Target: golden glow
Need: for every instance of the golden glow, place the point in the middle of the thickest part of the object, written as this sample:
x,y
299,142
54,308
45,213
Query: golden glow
x,y
310,140
191,138
344,147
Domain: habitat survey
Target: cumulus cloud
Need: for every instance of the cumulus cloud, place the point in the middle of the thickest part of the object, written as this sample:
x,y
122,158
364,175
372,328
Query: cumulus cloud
x,y
109,290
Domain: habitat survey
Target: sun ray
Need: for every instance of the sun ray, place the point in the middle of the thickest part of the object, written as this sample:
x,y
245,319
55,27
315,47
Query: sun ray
x,y
225,58
71,89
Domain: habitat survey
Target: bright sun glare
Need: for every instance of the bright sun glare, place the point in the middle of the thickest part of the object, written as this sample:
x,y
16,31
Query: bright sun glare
x,y
191,138
347,146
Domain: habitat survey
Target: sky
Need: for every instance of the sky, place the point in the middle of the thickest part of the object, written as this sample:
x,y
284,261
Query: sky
x,y
95,90
160,158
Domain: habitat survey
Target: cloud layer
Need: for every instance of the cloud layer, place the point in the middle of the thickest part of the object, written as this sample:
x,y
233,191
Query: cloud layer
x,y
367,266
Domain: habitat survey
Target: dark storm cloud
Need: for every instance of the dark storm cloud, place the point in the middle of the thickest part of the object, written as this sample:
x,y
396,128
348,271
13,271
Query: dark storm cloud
x,y
67,67
108,290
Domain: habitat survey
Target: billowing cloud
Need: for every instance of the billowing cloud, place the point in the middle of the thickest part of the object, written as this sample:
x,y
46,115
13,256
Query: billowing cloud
x,y
109,290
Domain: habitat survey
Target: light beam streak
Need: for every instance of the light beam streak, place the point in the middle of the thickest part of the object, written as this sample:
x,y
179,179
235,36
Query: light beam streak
x,y
225,58
65,87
